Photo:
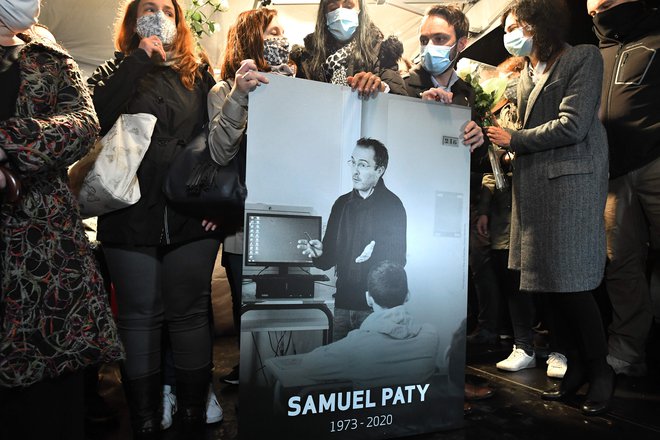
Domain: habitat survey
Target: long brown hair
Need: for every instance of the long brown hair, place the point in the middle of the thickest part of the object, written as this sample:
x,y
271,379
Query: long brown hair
x,y
367,38
183,49
245,39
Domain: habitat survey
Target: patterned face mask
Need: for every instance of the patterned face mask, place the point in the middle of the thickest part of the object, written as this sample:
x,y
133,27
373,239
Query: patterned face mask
x,y
276,51
157,24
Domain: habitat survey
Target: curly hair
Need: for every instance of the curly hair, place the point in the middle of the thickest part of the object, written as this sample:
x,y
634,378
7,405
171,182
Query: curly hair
x,y
366,37
185,51
548,20
245,39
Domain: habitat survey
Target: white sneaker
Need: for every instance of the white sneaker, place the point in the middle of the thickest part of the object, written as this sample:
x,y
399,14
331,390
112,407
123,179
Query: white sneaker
x,y
556,365
169,407
517,361
213,408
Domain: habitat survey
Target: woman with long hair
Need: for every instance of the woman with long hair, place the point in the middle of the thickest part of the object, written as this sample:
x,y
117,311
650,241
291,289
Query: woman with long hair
x,y
559,189
347,48
159,256
255,43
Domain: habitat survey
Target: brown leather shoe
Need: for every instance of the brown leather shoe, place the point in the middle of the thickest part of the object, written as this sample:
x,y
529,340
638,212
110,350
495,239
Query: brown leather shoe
x,y
477,392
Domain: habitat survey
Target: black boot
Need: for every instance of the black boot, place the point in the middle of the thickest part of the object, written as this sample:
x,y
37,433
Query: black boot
x,y
192,387
145,404
575,377
601,388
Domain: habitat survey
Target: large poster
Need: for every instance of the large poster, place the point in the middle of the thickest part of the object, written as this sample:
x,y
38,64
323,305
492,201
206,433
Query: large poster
x,y
355,264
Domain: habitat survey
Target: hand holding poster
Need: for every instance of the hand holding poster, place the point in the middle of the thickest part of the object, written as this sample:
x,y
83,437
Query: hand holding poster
x,y
355,264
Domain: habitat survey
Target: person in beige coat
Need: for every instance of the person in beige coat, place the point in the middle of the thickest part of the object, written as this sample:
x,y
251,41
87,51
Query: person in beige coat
x,y
255,43
559,189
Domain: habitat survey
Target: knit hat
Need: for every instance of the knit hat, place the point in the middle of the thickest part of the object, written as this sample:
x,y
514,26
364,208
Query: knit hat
x,y
19,15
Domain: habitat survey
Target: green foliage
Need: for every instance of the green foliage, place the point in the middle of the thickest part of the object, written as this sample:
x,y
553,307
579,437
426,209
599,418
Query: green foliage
x,y
483,101
201,23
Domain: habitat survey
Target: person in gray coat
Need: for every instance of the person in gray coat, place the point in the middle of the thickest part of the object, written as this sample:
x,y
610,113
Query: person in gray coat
x,y
560,188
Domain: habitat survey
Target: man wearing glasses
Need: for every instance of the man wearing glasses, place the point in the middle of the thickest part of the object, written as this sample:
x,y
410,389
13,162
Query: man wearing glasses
x,y
366,226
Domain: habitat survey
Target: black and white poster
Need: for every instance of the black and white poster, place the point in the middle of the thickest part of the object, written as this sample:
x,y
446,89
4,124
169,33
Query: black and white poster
x,y
355,264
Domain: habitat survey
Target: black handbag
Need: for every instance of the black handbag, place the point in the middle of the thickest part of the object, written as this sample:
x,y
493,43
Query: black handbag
x,y
201,186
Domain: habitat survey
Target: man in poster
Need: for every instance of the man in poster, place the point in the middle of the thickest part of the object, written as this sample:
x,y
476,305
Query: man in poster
x,y
366,226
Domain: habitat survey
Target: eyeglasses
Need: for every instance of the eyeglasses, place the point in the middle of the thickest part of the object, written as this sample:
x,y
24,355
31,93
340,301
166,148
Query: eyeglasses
x,y
360,165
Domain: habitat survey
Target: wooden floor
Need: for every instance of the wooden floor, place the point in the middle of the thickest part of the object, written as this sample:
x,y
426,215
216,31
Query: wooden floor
x,y
514,412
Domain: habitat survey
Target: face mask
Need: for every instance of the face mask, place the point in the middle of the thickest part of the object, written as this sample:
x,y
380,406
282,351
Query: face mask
x,y
19,15
276,51
157,24
518,44
436,59
619,21
342,23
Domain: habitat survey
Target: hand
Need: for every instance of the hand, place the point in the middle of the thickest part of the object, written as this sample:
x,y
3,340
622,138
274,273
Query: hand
x,y
366,83
366,253
311,248
473,136
248,78
438,94
499,136
482,226
209,225
153,47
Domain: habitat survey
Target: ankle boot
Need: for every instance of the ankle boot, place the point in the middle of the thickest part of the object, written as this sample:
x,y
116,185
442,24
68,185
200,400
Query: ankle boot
x,y
575,377
192,387
144,403
601,388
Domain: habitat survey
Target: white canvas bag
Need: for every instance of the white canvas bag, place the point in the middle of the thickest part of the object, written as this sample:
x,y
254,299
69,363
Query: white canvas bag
x,y
105,179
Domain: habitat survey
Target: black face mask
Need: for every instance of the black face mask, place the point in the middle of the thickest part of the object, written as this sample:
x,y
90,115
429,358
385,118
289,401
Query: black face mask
x,y
619,21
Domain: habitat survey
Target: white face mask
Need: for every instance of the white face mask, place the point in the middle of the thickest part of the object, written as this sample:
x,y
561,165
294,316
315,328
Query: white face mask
x,y
517,44
342,23
157,24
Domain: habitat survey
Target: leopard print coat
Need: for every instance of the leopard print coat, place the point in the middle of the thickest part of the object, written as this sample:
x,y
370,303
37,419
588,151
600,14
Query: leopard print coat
x,y
54,312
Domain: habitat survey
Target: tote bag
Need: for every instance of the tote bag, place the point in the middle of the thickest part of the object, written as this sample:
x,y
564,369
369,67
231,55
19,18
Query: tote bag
x,y
105,180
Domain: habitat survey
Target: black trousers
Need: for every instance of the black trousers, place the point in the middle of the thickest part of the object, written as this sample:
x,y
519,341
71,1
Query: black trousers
x,y
52,409
577,324
162,284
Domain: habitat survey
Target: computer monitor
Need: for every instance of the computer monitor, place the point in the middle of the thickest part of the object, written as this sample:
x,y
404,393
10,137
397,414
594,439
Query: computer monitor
x,y
272,239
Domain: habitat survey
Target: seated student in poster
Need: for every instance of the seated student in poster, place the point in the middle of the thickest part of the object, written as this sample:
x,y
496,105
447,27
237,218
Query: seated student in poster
x,y
388,348
366,226
346,48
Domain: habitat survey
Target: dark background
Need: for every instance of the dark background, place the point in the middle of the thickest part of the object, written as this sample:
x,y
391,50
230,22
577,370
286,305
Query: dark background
x,y
490,50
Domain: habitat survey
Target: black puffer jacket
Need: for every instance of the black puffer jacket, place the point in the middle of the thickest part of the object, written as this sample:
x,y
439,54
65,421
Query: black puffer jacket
x,y
385,66
631,92
134,84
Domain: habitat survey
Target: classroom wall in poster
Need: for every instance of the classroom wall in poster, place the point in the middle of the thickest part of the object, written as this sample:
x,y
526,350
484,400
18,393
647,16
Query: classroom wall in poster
x,y
294,377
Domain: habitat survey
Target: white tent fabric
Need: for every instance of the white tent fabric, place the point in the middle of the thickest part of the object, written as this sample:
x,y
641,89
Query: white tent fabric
x,y
85,27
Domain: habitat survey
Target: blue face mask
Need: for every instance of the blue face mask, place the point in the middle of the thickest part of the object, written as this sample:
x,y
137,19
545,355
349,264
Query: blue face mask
x,y
436,59
518,44
342,23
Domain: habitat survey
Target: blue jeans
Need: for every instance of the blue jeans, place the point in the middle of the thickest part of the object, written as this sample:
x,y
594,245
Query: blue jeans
x,y
345,320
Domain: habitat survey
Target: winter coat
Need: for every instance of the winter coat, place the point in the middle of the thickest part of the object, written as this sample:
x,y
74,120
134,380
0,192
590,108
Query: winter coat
x,y
134,84
631,92
560,176
385,66
54,312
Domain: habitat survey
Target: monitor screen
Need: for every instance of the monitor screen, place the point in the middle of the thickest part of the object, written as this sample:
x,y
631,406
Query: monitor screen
x,y
272,239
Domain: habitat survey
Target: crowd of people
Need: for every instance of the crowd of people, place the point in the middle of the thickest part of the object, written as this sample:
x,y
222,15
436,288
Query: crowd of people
x,y
578,135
